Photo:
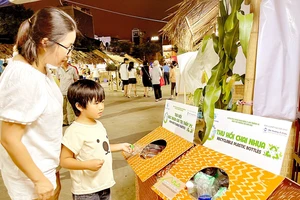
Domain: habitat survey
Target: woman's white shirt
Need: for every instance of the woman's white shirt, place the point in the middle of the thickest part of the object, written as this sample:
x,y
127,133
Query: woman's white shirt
x,y
131,73
32,98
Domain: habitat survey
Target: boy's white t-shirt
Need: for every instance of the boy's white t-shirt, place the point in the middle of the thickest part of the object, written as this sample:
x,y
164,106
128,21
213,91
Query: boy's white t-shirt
x,y
89,142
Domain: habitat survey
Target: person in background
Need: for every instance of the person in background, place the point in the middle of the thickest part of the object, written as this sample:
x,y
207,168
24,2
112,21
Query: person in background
x,y
132,79
86,151
124,75
66,75
156,74
146,78
166,70
31,106
2,68
173,80
70,64
96,74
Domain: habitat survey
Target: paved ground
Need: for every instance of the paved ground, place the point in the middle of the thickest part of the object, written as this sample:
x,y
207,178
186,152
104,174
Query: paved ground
x,y
126,120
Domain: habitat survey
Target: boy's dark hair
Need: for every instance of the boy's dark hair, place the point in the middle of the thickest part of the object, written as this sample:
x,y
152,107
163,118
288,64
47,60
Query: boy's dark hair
x,y
126,59
84,91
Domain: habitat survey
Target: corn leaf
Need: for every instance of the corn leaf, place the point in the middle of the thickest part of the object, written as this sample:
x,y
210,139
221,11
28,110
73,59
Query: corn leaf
x,y
212,94
197,96
230,42
204,42
228,88
215,43
245,27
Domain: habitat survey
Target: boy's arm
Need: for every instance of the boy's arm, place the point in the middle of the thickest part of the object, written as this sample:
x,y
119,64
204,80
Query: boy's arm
x,y
68,161
121,147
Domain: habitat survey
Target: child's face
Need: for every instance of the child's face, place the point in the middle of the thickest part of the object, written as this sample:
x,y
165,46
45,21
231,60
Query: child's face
x,y
94,109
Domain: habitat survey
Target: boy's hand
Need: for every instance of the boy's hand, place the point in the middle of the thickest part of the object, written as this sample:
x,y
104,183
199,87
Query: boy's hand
x,y
94,165
126,147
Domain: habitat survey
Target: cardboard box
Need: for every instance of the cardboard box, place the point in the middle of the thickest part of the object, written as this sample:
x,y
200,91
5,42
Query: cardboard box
x,y
145,169
245,181
287,189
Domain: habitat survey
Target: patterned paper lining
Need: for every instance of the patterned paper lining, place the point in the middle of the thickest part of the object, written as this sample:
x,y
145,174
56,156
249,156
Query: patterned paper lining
x,y
145,168
246,181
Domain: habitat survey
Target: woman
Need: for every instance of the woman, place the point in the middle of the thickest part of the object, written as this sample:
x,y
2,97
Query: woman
x,y
132,79
31,106
156,75
146,78
173,80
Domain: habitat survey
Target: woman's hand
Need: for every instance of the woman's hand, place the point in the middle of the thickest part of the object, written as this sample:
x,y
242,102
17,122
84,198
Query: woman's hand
x,y
44,189
94,165
11,140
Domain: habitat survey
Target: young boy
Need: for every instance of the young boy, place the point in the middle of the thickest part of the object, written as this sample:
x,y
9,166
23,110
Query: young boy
x,y
86,151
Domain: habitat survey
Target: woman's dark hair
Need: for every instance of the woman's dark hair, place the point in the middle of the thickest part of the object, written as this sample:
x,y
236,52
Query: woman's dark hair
x,y
145,62
84,91
131,66
51,23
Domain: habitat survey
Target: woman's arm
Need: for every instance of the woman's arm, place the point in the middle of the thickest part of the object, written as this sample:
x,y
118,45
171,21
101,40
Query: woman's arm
x,y
11,140
68,161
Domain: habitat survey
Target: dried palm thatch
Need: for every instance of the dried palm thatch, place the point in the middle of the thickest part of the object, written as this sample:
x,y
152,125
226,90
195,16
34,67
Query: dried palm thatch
x,y
191,22
86,57
6,51
104,56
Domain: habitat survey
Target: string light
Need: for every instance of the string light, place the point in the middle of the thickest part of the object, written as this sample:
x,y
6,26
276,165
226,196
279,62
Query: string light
x,y
118,13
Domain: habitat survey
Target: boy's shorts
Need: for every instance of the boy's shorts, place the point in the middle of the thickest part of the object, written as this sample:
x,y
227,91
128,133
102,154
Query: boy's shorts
x,y
101,195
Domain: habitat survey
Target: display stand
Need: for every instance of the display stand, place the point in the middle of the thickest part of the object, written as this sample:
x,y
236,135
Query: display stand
x,y
168,172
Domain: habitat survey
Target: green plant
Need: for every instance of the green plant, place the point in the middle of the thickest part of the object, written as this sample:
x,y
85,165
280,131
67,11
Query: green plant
x,y
233,29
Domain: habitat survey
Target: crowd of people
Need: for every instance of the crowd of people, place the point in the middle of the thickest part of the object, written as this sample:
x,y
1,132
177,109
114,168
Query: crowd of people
x,y
34,110
153,76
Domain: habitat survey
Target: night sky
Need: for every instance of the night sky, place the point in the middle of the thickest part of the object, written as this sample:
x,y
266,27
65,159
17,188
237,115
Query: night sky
x,y
108,24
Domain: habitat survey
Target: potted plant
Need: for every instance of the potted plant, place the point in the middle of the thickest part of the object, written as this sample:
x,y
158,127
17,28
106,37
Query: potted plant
x,y
233,30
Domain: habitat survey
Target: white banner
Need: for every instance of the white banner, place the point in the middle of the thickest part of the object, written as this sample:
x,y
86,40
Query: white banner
x,y
256,140
278,65
180,119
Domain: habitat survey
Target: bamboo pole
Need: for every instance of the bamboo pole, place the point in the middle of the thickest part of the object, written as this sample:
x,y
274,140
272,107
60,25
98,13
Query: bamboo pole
x,y
247,2
287,164
117,79
251,57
